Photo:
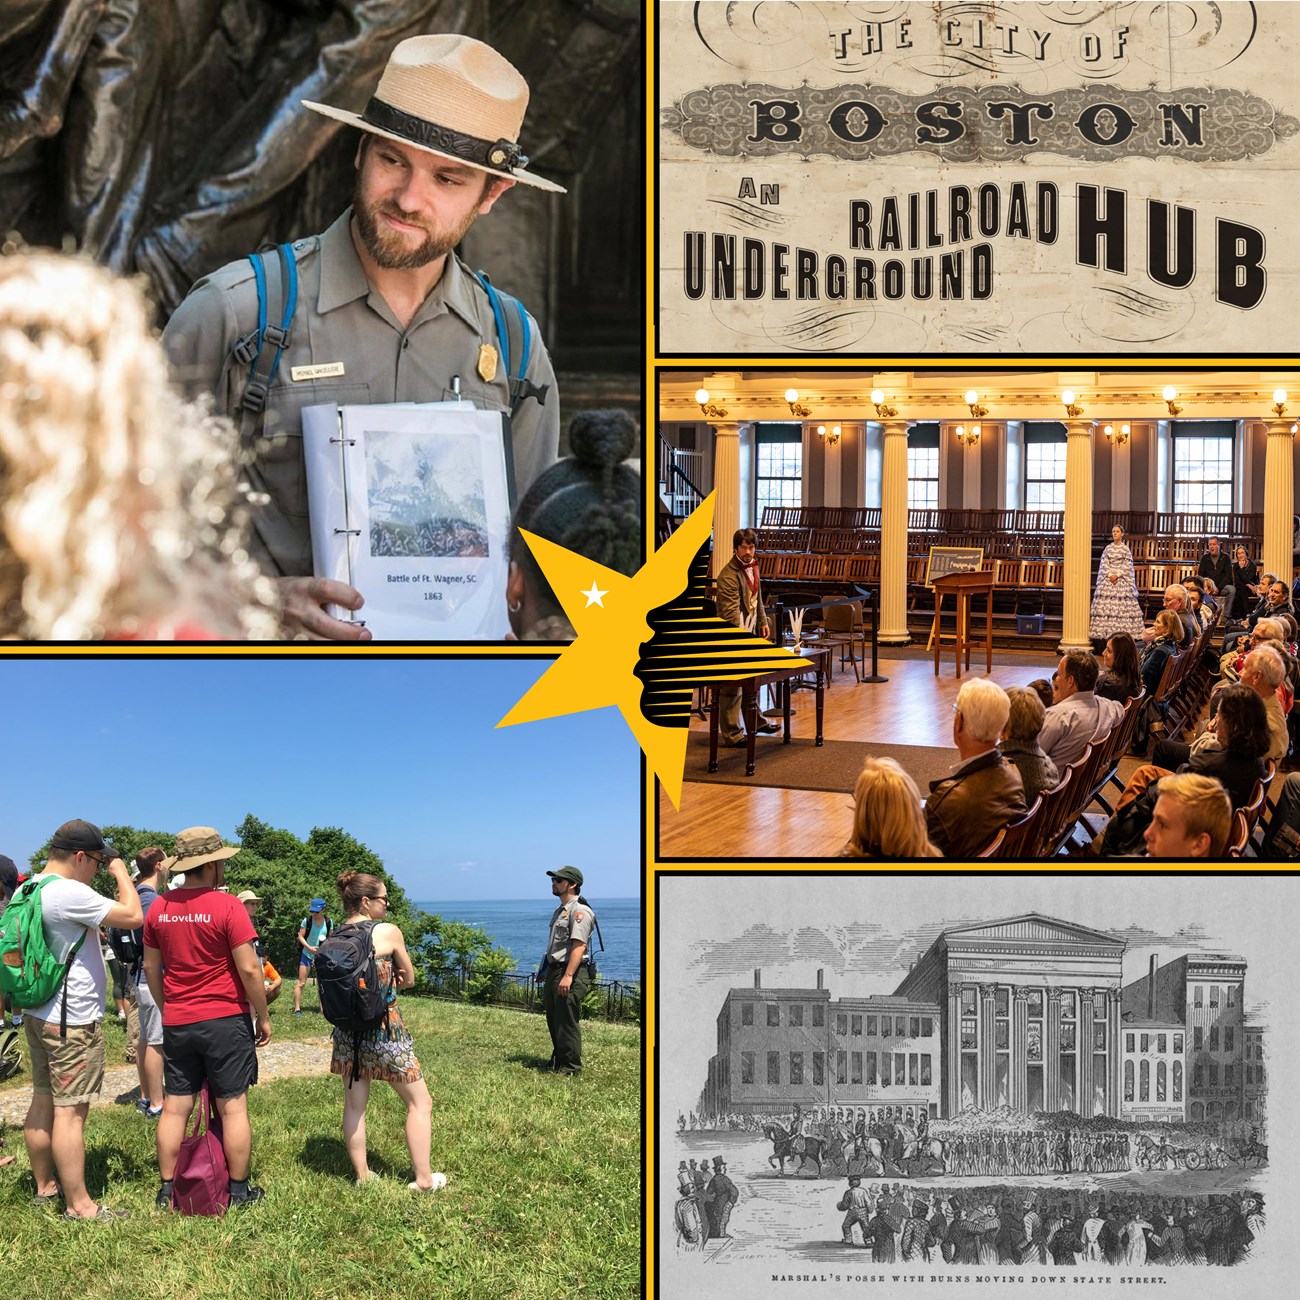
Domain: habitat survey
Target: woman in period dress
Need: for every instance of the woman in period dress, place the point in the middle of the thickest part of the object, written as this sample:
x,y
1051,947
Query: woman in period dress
x,y
1115,605
387,1052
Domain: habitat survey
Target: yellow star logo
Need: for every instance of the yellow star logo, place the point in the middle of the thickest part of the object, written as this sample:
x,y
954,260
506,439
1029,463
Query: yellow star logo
x,y
644,646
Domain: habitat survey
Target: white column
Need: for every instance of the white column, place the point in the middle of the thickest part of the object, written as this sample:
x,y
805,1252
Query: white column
x,y
893,535
1078,535
1279,499
1121,471
831,482
726,486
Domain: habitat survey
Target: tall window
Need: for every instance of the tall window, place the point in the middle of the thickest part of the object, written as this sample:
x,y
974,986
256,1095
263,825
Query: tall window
x,y
1203,465
923,467
1044,465
779,477
774,1067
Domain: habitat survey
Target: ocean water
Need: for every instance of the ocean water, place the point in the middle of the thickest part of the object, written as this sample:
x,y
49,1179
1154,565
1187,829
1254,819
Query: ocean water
x,y
520,925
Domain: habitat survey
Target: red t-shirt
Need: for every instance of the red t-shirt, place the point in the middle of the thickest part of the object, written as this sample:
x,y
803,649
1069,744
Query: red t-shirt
x,y
196,930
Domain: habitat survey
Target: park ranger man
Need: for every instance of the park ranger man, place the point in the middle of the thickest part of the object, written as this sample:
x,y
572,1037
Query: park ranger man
x,y
566,969
385,311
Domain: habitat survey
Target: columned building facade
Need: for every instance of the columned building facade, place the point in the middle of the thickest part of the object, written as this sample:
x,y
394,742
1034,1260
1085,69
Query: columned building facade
x,y
1031,1015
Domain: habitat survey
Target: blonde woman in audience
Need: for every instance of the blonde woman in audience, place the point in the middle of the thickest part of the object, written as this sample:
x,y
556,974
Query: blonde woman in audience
x,y
887,817
119,509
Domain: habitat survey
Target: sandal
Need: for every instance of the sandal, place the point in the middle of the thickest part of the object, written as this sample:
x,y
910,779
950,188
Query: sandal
x,y
103,1212
40,1201
439,1182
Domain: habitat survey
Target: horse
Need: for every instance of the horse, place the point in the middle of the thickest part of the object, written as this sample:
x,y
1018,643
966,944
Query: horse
x,y
787,1146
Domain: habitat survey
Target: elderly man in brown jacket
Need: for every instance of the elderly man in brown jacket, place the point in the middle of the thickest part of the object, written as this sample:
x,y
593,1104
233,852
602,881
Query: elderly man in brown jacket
x,y
967,809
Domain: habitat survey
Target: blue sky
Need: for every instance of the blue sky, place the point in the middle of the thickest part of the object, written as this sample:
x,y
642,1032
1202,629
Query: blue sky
x,y
403,754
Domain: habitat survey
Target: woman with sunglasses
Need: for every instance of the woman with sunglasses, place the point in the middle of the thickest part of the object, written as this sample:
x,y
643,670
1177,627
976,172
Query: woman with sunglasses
x,y
387,1051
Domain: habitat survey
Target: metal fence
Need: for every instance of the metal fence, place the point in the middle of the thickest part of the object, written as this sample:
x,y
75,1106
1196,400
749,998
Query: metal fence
x,y
621,1001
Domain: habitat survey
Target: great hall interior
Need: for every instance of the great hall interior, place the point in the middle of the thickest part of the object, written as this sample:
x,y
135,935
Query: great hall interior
x,y
858,483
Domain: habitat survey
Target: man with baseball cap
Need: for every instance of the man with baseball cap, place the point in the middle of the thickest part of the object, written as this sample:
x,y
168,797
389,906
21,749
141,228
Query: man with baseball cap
x,y
204,940
385,310
566,970
67,1060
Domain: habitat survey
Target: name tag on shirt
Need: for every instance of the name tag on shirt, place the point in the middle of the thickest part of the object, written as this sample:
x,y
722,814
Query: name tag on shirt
x,y
327,370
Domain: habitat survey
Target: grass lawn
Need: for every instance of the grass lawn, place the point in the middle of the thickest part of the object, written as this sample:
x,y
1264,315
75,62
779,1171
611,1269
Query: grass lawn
x,y
544,1200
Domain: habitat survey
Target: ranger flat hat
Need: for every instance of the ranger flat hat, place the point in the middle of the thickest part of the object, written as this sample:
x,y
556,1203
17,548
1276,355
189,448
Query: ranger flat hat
x,y
452,96
196,846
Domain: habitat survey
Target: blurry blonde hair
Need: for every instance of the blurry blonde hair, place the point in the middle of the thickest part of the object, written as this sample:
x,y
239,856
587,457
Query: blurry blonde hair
x,y
1169,624
888,821
119,510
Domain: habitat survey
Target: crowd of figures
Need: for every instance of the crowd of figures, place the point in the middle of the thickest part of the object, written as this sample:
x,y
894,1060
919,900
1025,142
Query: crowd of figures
x,y
1000,1225
704,1203
1002,1152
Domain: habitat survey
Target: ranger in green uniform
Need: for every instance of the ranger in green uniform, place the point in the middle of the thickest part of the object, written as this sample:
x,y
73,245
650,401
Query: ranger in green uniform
x,y
566,969
385,312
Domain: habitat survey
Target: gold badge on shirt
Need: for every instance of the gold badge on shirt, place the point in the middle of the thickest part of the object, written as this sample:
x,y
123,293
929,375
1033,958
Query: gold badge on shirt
x,y
487,363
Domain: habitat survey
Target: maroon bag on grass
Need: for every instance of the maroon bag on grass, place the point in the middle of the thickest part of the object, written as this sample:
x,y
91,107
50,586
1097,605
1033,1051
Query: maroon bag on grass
x,y
202,1181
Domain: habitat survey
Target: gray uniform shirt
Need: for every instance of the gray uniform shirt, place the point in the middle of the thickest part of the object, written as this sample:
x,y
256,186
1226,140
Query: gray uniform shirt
x,y
341,317
570,923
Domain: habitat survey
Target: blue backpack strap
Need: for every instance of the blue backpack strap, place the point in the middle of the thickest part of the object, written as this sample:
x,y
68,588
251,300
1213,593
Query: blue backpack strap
x,y
515,337
261,351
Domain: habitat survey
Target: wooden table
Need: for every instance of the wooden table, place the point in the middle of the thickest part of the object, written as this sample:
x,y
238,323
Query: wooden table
x,y
965,586
820,661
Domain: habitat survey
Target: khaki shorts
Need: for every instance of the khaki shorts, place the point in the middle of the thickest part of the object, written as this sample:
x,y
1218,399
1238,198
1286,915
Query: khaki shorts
x,y
70,1069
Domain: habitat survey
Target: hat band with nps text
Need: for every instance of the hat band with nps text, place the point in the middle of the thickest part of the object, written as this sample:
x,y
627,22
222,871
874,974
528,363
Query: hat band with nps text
x,y
503,155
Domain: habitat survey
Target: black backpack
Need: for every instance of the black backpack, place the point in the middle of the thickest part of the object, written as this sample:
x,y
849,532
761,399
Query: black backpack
x,y
128,945
347,979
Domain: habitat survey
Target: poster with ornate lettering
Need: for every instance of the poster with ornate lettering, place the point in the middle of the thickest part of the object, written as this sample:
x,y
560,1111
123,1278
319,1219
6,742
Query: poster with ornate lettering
x,y
1052,178
890,1085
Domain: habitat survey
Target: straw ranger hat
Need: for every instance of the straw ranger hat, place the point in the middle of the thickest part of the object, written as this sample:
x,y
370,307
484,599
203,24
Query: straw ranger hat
x,y
197,846
452,96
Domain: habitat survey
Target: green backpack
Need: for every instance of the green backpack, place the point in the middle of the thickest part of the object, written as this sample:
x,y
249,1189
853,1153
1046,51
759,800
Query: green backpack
x,y
29,974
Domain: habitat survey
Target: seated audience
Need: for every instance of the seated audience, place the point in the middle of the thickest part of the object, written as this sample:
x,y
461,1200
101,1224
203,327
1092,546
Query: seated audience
x,y
967,809
1202,610
1166,640
1266,630
1043,689
1020,745
1120,678
589,503
1077,716
1264,671
1192,818
1231,749
1262,608
120,512
1175,600
1282,835
1215,569
887,817
1245,579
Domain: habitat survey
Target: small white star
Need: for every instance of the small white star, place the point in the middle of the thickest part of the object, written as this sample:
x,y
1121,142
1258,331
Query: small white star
x,y
594,596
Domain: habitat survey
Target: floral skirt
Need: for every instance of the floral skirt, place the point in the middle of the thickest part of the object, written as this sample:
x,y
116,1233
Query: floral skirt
x,y
386,1053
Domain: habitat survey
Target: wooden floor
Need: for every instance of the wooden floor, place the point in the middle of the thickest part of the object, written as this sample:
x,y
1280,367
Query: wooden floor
x,y
726,822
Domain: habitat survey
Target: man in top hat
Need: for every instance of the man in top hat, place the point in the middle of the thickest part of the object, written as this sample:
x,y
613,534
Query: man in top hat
x,y
386,312
65,1036
723,1195
203,939
566,969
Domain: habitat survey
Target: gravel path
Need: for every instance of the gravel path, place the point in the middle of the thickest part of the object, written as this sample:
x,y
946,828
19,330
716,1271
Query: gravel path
x,y
122,1083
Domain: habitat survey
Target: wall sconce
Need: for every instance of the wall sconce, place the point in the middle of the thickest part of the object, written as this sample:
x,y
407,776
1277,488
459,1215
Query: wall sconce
x,y
1118,437
968,437
792,396
708,408
1071,409
883,411
1279,400
1169,394
977,411
830,436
